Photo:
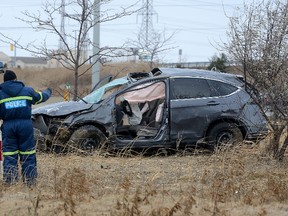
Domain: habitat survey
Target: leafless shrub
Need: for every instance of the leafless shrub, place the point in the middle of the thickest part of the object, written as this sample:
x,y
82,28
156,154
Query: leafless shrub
x,y
257,43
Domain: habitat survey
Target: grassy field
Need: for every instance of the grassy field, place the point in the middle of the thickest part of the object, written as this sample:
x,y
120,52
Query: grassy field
x,y
238,181
243,180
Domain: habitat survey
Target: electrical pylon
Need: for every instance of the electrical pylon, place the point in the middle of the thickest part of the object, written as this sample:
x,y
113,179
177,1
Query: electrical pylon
x,y
146,30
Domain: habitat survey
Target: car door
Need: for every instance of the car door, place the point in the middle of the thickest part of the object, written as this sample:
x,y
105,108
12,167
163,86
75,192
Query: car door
x,y
141,113
194,104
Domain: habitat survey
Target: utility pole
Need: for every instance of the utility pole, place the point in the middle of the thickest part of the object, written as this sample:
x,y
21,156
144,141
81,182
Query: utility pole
x,y
96,44
180,56
62,26
84,49
15,55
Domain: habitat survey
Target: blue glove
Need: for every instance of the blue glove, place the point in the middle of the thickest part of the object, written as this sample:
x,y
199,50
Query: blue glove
x,y
49,90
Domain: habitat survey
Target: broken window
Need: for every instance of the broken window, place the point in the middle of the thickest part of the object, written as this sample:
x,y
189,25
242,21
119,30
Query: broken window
x,y
141,108
105,90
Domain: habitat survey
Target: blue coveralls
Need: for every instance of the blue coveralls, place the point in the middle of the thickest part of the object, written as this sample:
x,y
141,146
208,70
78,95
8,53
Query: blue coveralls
x,y
17,131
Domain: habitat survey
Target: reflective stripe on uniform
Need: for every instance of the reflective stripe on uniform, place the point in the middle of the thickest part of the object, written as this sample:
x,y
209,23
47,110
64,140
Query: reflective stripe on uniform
x,y
27,152
41,98
16,98
10,153
20,152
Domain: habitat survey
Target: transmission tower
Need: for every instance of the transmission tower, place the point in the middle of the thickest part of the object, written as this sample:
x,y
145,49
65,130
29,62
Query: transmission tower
x,y
146,29
62,26
84,47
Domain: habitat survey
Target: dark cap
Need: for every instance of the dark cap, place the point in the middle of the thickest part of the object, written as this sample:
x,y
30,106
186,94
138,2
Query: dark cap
x,y
9,75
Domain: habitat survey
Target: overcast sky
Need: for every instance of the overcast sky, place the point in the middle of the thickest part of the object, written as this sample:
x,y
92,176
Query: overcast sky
x,y
199,25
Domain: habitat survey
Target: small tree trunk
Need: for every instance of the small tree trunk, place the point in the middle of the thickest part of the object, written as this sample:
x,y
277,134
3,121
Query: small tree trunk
x,y
280,154
76,84
275,142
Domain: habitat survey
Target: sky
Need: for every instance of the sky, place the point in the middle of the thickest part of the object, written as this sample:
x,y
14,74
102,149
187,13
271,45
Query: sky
x,y
199,25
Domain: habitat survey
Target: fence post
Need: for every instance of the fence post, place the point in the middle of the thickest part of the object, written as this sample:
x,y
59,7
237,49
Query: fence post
x,y
66,93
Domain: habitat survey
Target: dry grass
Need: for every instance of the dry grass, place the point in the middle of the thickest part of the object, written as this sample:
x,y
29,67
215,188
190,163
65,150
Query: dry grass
x,y
237,181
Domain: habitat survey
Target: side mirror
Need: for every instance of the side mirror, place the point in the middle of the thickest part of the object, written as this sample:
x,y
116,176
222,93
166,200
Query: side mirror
x,y
1,67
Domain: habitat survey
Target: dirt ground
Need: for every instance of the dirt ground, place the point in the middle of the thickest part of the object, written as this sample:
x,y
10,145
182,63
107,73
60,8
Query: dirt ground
x,y
238,181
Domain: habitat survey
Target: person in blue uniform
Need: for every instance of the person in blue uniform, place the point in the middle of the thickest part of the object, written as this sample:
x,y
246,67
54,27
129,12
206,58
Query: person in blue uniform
x,y
16,101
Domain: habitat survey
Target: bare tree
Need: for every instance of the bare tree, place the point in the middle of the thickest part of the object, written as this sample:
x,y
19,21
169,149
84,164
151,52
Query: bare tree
x,y
81,14
258,43
159,42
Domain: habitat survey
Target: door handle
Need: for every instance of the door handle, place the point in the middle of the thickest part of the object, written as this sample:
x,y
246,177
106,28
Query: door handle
x,y
212,103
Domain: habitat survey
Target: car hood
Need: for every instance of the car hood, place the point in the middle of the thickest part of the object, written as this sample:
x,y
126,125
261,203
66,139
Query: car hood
x,y
61,108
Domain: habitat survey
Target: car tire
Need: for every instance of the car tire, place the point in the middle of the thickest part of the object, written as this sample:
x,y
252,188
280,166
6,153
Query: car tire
x,y
224,134
86,139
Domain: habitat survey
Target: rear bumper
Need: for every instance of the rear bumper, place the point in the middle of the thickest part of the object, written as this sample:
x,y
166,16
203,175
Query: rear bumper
x,y
257,136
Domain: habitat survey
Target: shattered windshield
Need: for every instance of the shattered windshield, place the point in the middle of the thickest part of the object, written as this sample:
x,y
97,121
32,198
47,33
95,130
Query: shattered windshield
x,y
105,90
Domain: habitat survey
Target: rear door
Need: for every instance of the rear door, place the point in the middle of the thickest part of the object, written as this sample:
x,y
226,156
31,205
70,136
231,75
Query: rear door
x,y
194,104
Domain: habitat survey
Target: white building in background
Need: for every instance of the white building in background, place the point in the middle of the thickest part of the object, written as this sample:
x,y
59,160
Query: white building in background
x,y
30,62
144,55
27,62
4,58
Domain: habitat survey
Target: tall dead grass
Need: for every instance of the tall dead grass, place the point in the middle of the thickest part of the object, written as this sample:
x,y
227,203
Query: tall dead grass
x,y
237,181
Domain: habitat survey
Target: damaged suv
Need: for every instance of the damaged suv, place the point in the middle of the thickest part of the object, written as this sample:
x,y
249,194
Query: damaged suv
x,y
165,108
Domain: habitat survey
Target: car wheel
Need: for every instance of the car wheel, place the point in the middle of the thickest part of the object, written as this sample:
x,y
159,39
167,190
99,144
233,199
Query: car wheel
x,y
224,134
86,139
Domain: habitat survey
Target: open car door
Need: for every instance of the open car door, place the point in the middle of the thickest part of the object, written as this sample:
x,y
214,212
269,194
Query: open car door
x,y
141,113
